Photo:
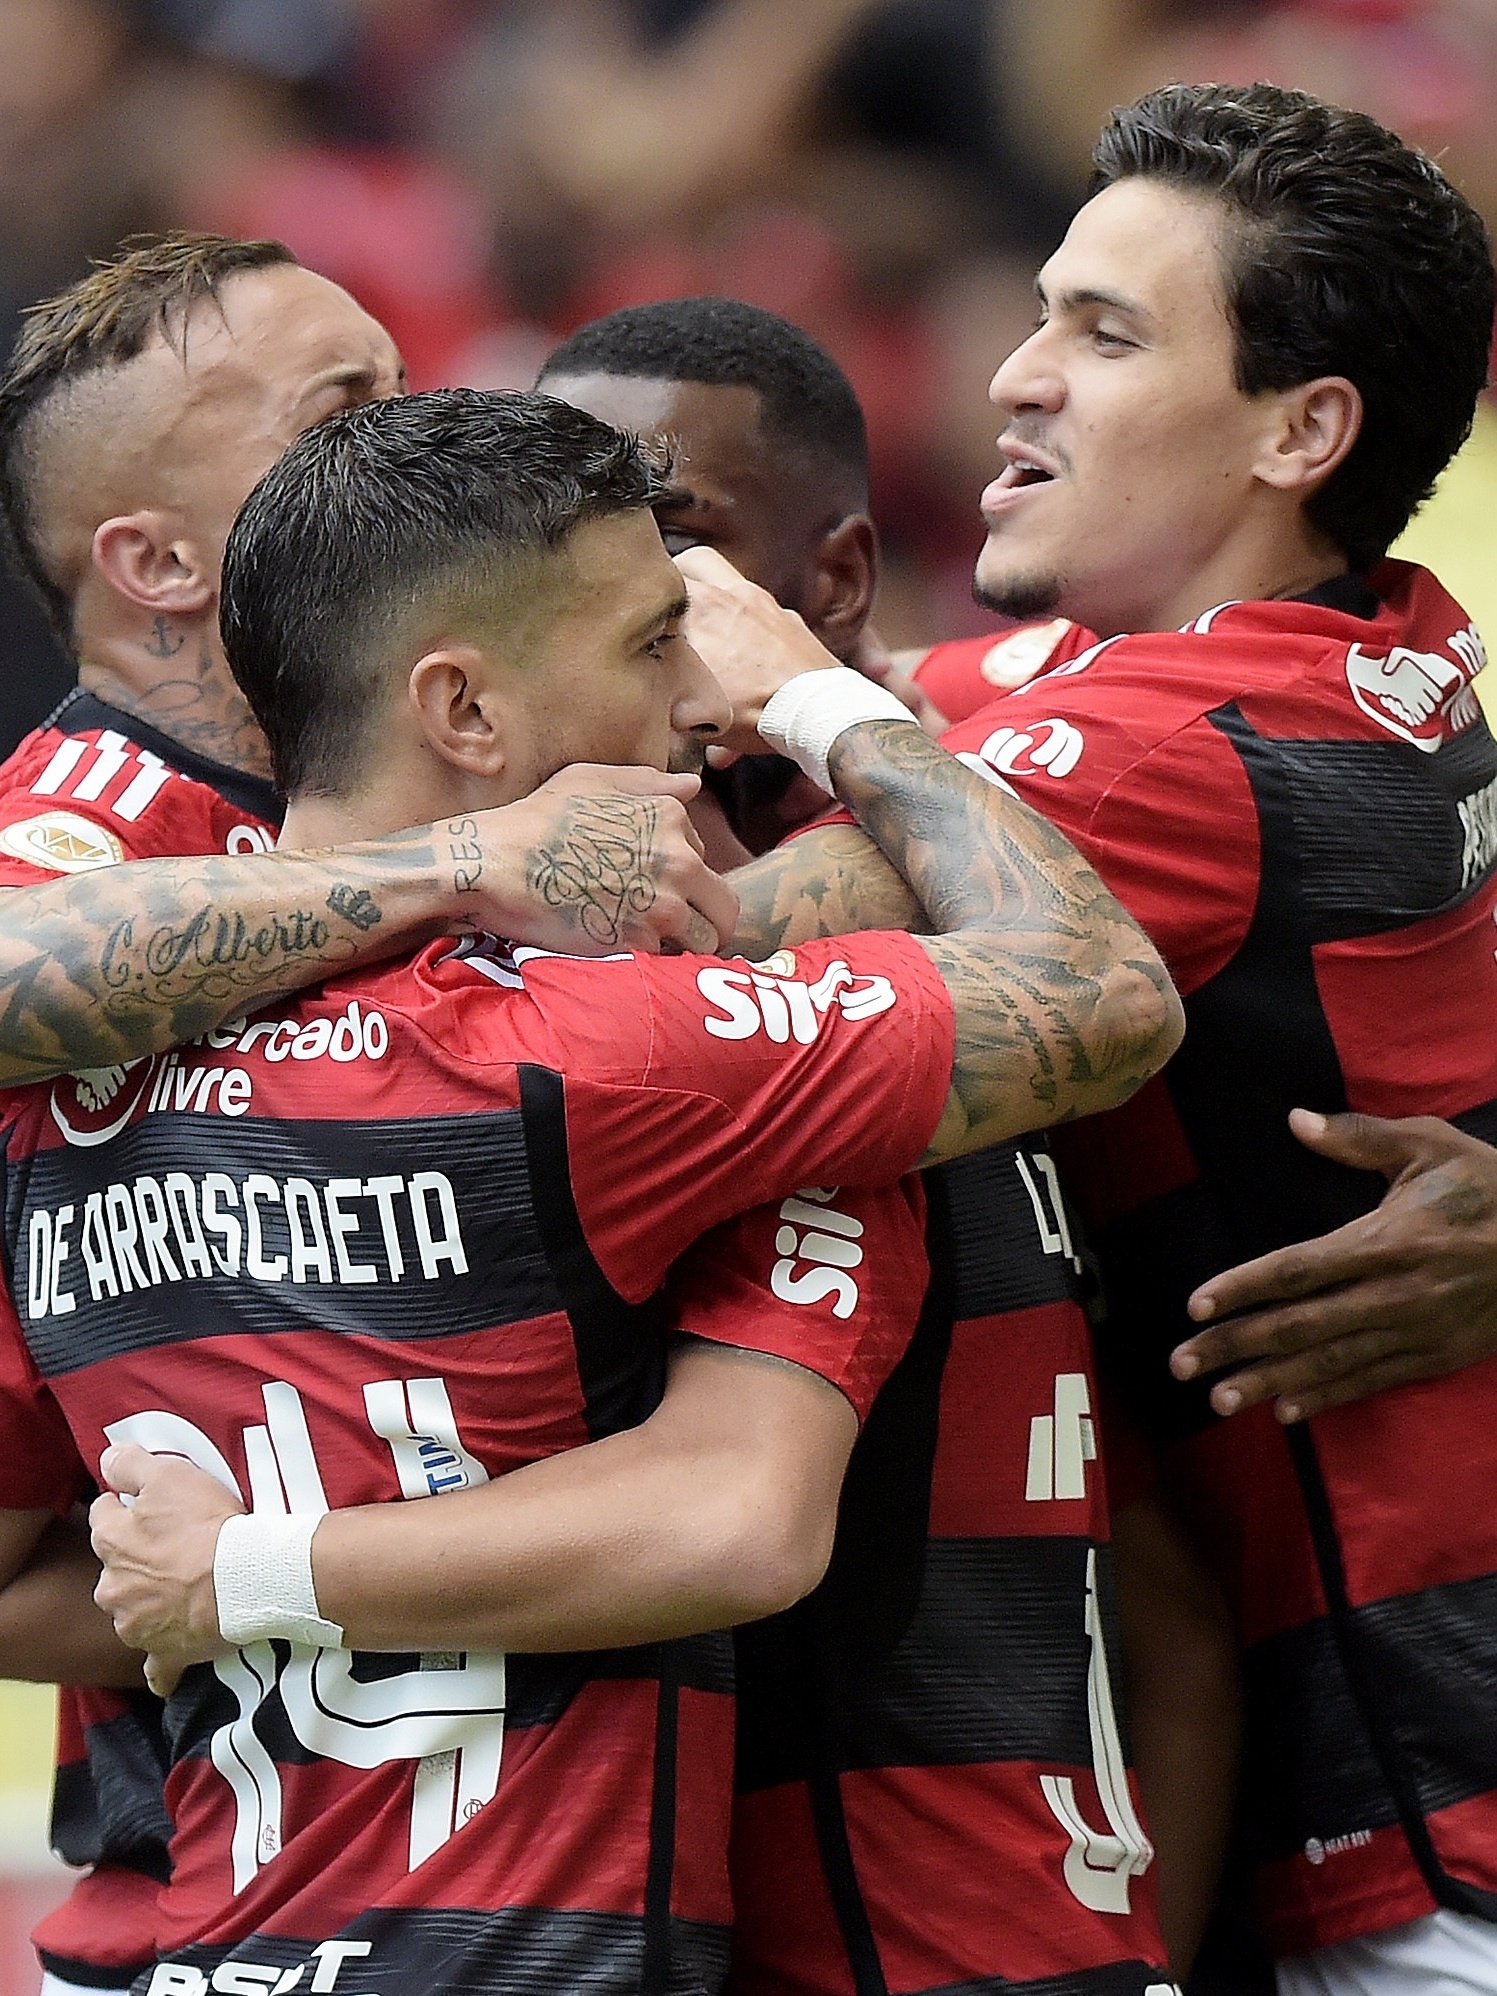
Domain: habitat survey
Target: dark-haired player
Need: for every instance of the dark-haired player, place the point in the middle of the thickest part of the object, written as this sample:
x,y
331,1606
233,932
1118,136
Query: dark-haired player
x,y
422,1251
138,408
1260,342
770,471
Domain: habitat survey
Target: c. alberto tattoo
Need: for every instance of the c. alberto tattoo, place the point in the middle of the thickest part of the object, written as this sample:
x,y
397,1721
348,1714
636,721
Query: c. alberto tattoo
x,y
596,870
107,967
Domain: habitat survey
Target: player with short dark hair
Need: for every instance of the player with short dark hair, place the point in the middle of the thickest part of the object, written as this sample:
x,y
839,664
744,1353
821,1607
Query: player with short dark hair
x,y
547,1136
137,409
999,1574
1275,757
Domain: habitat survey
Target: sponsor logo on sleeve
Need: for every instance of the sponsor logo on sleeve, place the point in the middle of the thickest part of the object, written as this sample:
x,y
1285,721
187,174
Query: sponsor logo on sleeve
x,y
62,842
747,1001
1423,697
1019,655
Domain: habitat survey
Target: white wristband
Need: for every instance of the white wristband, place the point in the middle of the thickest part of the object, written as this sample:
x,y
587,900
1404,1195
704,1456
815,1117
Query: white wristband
x,y
808,713
262,1581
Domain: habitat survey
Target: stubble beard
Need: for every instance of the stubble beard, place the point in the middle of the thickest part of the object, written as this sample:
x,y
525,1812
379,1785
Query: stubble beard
x,y
1023,597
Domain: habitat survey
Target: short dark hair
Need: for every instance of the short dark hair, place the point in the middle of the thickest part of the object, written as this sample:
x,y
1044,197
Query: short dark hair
x,y
103,320
806,401
373,512
1346,252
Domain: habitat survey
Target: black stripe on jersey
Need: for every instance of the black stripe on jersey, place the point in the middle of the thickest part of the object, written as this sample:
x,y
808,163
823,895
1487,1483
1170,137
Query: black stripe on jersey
x,y
538,1689
1381,837
992,1667
620,1346
1428,1660
1118,1978
109,1808
480,1157
1000,1260
521,1950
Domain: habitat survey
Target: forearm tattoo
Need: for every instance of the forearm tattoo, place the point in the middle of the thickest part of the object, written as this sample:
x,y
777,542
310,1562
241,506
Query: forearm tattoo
x,y
596,870
1063,1008
109,966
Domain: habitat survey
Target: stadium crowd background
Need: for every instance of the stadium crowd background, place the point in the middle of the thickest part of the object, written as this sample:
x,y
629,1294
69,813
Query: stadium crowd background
x,y
485,175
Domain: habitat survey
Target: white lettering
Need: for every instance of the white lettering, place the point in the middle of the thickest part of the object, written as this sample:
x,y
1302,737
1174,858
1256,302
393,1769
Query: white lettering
x,y
447,1246
729,990
309,1250
234,1092
257,1187
218,1185
38,1259
94,1242
341,1225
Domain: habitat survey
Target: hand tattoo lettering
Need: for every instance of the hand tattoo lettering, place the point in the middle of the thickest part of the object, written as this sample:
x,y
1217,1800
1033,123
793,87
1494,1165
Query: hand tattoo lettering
x,y
467,855
355,904
597,870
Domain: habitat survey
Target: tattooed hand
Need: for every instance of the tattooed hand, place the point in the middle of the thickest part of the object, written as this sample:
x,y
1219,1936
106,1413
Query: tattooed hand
x,y
611,862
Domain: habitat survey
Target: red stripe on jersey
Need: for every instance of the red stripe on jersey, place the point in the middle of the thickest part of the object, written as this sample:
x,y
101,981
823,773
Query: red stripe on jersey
x,y
940,1853
1359,1884
109,1920
1003,1375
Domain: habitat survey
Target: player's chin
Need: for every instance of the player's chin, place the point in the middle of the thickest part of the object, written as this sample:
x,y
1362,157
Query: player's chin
x,y
1015,590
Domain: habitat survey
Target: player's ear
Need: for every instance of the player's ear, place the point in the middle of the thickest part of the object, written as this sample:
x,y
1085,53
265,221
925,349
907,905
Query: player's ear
x,y
455,706
843,581
1314,427
145,558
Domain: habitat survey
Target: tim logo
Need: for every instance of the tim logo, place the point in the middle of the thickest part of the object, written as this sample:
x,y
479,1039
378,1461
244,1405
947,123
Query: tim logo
x,y
1049,748
817,1246
1423,697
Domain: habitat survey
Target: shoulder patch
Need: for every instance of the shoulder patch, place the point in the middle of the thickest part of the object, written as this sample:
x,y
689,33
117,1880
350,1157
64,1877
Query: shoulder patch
x,y
1015,659
62,842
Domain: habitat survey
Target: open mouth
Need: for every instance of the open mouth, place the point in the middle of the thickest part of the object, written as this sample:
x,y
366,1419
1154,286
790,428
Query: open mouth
x,y
1020,472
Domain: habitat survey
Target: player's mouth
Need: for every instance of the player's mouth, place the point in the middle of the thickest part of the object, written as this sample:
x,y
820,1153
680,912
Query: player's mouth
x,y
1026,470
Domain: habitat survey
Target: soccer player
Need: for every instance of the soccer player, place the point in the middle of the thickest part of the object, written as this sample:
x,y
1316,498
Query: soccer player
x,y
1259,343
771,473
138,409
433,603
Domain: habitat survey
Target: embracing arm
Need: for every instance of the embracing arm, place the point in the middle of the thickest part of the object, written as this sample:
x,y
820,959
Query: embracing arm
x,y
108,966
718,1509
1063,1006
51,1631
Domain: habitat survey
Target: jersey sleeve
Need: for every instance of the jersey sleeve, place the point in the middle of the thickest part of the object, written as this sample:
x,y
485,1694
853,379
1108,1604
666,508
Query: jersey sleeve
x,y
40,1468
697,1089
1165,816
830,1279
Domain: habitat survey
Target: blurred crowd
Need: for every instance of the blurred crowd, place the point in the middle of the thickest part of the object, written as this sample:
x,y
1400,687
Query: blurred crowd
x,y
485,175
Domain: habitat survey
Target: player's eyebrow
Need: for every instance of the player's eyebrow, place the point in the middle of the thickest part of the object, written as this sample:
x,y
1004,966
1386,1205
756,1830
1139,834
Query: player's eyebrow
x,y
651,626
1095,294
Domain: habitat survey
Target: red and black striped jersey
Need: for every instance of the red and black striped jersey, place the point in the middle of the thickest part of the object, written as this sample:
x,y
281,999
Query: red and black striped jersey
x,y
409,1232
1298,800
933,1783
91,786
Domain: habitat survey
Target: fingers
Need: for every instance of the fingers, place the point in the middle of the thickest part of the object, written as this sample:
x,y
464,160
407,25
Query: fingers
x,y
627,779
1307,1375
124,1467
1287,1274
163,1675
1374,1143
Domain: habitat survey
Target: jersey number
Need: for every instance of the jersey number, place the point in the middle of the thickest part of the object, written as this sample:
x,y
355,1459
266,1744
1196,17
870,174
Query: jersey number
x,y
446,1715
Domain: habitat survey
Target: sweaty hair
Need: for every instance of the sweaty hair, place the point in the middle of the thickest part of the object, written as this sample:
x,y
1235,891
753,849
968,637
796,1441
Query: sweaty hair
x,y
806,401
435,502
1345,252
103,320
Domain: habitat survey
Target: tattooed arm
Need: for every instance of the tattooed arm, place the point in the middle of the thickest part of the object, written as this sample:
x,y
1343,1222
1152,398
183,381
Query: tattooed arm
x,y
1063,1006
104,967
